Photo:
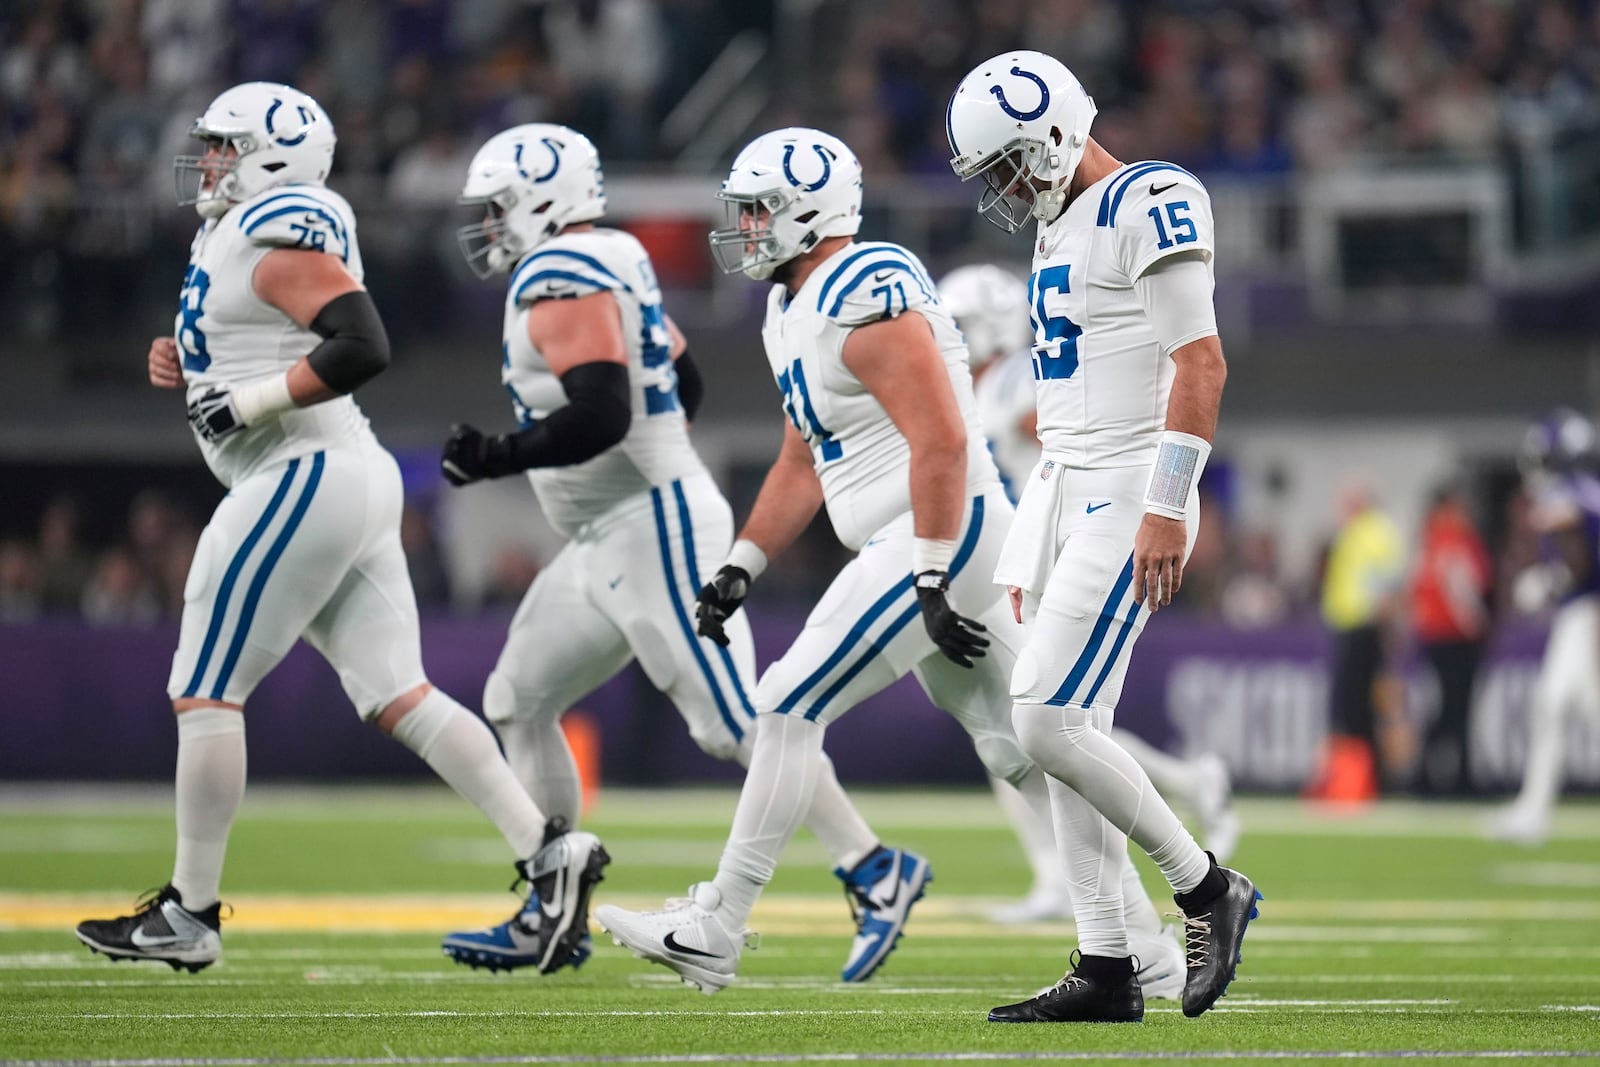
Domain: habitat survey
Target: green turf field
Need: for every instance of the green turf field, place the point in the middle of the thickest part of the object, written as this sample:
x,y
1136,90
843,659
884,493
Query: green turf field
x,y
1390,934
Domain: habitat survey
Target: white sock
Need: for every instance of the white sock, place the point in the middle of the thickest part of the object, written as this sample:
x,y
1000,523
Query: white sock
x,y
784,769
537,750
461,750
1096,853
836,822
1027,809
1173,778
1070,748
209,785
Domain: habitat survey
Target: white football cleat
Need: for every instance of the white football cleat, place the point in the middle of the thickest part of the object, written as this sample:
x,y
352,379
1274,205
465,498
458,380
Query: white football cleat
x,y
685,935
1213,802
1162,967
1519,824
1044,903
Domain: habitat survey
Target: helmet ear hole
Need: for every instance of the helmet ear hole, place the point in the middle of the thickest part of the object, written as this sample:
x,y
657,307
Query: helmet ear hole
x,y
807,217
1055,135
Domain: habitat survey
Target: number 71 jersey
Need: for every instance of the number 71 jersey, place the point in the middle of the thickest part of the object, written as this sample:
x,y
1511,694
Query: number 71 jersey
x,y
860,456
1100,376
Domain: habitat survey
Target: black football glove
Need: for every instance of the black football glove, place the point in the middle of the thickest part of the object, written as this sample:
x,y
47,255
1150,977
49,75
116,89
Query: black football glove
x,y
214,415
469,456
718,599
956,635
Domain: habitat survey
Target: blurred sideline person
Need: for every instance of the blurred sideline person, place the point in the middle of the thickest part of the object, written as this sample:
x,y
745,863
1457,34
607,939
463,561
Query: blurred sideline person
x,y
1561,476
1360,600
274,330
990,306
882,432
603,388
1450,617
1129,373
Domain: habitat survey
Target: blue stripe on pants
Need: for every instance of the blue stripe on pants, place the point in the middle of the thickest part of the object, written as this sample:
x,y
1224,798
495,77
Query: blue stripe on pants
x,y
247,611
1116,650
963,553
1096,637
220,608
683,616
687,526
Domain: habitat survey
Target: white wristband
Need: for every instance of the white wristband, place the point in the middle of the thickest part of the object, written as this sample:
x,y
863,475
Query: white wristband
x,y
1175,473
931,554
262,399
748,557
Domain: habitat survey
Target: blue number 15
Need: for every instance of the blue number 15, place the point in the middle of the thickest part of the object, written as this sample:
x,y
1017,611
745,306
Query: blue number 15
x,y
1182,225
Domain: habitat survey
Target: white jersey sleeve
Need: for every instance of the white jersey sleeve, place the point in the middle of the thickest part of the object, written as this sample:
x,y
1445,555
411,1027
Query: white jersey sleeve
x,y
1157,210
309,217
563,273
883,283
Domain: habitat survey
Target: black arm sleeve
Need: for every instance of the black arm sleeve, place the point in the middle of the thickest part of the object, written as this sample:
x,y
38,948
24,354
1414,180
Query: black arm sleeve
x,y
354,348
691,387
598,413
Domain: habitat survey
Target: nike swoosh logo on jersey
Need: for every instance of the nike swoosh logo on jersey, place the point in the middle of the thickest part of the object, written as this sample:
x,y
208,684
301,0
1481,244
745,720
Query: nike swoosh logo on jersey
x,y
671,941
883,275
1157,191
1092,508
613,583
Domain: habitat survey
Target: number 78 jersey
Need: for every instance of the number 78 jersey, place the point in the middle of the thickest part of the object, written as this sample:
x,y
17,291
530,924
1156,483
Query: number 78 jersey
x,y
860,456
1100,376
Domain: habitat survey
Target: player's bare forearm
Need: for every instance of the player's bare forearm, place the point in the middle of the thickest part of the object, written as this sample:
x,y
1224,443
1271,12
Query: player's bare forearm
x,y
939,488
1196,396
789,498
166,372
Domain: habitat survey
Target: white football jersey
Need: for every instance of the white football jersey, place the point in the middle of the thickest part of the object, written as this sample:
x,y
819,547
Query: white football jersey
x,y
229,336
1101,377
860,456
1005,397
656,449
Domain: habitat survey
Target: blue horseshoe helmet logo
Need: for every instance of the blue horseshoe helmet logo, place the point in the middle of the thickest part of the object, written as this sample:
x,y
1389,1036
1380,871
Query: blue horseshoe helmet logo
x,y
555,161
1023,116
827,168
306,121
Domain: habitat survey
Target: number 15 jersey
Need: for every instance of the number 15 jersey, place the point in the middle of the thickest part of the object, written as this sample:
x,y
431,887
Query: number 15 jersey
x,y
1100,376
860,456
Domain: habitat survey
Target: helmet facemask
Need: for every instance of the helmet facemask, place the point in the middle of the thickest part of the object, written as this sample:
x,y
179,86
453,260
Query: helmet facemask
x,y
493,246
1013,177
191,173
749,241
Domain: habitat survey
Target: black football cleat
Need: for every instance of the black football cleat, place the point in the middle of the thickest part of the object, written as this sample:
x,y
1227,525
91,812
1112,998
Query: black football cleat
x,y
1213,937
160,929
1078,999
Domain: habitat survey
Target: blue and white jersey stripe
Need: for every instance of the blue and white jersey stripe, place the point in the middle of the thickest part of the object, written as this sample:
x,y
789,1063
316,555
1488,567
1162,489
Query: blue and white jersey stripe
x,y
1117,602
261,566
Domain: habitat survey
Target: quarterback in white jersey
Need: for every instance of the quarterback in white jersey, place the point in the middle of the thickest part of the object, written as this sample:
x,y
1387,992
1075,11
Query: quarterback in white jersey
x,y
990,305
274,330
1129,374
882,432
603,389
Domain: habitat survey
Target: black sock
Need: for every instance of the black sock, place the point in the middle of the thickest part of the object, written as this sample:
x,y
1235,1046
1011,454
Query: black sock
x,y
1108,970
1212,886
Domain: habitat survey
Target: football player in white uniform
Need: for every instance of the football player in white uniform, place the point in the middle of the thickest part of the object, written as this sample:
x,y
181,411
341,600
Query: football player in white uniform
x,y
274,330
1561,477
603,389
882,431
1128,386
990,306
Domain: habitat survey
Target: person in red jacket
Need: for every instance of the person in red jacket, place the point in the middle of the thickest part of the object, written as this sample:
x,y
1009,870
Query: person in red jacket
x,y
1450,616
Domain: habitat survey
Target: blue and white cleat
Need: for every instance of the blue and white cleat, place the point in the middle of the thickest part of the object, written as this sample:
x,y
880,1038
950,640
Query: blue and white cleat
x,y
551,929
881,890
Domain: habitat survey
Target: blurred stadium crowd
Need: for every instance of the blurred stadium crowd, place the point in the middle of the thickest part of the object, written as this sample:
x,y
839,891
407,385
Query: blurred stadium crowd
x,y
98,93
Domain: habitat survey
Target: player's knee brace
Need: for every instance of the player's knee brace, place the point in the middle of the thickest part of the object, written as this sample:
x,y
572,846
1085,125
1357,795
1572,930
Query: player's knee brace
x,y
1003,758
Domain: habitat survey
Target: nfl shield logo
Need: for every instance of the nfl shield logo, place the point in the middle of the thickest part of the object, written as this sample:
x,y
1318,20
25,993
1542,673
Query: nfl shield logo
x,y
1049,465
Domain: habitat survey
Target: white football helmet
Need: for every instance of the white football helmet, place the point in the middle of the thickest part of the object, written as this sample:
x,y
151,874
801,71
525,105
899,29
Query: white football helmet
x,y
1019,119
532,180
788,189
990,305
280,136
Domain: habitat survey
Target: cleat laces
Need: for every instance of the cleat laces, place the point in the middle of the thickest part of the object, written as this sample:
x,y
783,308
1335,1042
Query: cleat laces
x,y
1197,939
